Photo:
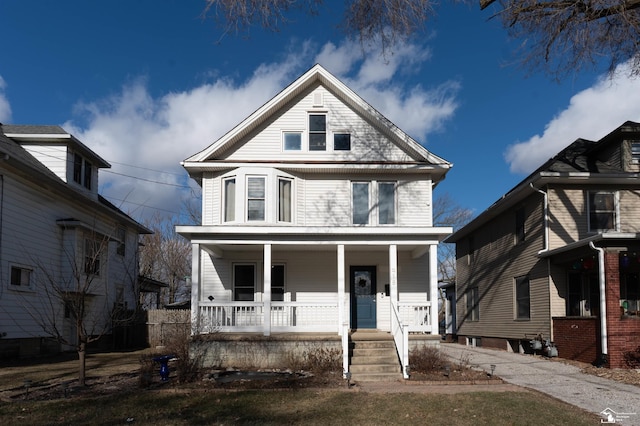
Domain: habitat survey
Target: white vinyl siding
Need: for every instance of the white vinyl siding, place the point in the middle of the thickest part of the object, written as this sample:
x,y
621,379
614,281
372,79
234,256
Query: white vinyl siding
x,y
367,143
54,157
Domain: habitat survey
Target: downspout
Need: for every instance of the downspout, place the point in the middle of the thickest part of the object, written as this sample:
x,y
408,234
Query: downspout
x,y
603,303
545,217
545,207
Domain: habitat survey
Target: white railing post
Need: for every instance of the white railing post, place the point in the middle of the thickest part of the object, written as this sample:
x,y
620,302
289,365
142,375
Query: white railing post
x,y
433,287
341,291
345,350
266,290
195,288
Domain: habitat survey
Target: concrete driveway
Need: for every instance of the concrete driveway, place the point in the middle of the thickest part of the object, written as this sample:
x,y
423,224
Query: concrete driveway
x,y
557,379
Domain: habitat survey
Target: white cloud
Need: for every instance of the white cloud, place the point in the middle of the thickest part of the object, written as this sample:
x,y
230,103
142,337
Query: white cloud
x,y
5,108
591,114
155,134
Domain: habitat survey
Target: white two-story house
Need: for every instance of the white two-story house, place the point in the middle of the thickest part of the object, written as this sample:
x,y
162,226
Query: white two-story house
x,y
316,218
68,257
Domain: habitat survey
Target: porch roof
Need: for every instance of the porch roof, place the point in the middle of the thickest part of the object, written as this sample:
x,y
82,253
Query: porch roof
x,y
607,239
229,238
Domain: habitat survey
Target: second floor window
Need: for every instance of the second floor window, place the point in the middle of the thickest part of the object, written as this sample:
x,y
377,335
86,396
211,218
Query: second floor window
x,y
360,203
284,200
366,200
635,152
229,188
255,198
602,211
473,304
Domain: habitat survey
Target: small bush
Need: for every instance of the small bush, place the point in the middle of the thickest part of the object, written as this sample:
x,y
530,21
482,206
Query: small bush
x,y
146,370
632,358
426,359
316,359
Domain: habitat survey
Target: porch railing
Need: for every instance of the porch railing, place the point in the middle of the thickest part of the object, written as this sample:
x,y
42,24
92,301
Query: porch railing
x,y
400,332
417,316
285,316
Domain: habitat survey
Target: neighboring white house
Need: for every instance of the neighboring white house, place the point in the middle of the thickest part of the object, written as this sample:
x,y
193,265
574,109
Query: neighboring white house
x,y
58,238
316,217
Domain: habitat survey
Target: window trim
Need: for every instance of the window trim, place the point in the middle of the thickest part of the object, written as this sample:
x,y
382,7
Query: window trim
x,y
121,235
21,267
615,211
92,257
517,281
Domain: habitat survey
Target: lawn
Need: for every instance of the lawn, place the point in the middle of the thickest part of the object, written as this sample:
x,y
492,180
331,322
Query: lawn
x,y
188,406
114,397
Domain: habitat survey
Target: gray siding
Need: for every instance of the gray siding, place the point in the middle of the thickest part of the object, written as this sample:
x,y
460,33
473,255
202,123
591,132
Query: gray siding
x,y
497,261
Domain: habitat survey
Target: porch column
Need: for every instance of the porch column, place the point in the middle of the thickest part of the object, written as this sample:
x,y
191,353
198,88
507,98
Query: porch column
x,y
195,288
393,274
341,292
266,290
433,286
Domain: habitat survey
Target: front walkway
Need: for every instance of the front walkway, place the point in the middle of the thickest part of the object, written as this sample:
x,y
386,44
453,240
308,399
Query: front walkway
x,y
555,378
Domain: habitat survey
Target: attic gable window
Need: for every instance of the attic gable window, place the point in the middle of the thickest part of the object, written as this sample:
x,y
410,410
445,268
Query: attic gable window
x,y
317,132
341,141
292,141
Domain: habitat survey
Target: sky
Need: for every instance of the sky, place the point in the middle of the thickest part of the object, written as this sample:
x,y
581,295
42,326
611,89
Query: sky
x,y
147,83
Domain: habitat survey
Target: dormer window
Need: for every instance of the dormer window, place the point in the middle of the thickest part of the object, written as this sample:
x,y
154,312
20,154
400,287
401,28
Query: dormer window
x,y
82,171
317,132
635,152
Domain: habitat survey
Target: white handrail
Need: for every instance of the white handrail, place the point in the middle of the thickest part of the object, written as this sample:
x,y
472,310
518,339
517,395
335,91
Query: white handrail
x,y
401,338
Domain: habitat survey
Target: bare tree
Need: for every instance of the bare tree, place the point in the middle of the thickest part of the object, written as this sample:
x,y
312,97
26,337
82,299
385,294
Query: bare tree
x,y
166,256
562,36
80,305
558,36
447,212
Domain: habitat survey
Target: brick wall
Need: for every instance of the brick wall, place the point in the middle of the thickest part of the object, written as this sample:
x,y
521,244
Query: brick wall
x,y
623,331
577,338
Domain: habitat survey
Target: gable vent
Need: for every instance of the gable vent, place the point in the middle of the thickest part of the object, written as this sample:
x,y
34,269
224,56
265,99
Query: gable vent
x,y
317,99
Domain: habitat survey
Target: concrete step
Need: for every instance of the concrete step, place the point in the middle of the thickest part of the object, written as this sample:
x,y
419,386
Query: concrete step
x,y
374,359
375,377
374,344
374,368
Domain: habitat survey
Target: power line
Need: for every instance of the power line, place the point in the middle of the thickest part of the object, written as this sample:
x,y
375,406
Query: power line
x,y
147,180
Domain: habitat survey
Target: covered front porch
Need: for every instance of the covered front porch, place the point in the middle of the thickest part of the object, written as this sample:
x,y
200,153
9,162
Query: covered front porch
x,y
328,280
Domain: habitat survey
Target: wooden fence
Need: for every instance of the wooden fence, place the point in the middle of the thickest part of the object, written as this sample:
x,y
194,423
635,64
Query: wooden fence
x,y
163,325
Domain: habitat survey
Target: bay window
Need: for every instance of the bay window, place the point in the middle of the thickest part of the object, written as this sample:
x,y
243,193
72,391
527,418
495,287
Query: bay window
x,y
229,194
386,203
360,203
284,200
255,198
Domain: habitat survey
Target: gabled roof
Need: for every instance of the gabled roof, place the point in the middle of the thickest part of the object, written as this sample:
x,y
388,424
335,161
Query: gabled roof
x,y
579,160
14,155
317,74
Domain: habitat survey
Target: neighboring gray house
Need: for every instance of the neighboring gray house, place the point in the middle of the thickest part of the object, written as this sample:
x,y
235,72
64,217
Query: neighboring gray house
x,y
316,218
557,258
58,238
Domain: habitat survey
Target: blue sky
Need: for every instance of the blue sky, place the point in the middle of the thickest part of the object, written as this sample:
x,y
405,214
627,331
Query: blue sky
x,y
148,83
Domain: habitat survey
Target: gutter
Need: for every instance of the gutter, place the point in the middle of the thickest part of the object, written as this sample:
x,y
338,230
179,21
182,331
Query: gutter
x,y
603,303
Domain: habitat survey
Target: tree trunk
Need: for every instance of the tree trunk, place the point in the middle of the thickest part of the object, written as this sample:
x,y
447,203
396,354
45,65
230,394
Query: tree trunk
x,y
82,366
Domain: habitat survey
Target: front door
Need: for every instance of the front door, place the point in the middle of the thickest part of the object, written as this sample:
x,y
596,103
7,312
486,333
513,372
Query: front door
x,y
363,297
